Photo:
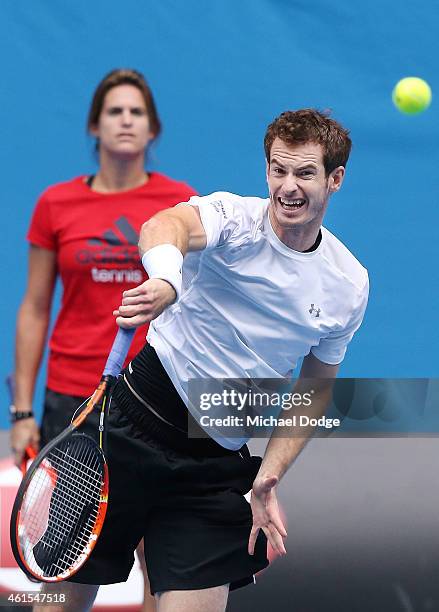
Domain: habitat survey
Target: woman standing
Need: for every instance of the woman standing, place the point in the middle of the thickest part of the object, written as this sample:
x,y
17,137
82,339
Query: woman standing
x,y
85,231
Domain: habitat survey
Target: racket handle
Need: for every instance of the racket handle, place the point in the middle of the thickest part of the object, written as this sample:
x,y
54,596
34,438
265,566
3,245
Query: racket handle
x,y
29,453
118,352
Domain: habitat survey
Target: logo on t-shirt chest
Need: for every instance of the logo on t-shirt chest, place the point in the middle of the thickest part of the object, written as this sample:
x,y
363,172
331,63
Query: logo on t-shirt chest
x,y
315,311
116,246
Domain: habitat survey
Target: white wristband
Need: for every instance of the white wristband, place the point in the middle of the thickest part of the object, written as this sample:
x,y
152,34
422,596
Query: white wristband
x,y
165,261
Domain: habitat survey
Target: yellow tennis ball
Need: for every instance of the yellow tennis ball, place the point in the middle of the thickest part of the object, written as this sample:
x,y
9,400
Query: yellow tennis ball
x,y
412,95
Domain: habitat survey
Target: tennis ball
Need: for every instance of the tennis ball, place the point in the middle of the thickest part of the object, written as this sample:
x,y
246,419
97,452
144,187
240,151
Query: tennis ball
x,y
411,95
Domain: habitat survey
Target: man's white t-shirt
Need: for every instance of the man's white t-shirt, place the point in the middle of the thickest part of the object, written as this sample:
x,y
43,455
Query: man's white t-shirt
x,y
251,307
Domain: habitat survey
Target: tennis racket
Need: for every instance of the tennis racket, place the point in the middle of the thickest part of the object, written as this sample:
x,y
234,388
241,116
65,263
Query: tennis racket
x,y
61,503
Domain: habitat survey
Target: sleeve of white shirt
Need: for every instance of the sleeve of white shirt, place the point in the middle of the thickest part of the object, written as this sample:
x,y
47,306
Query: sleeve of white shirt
x,y
332,349
221,215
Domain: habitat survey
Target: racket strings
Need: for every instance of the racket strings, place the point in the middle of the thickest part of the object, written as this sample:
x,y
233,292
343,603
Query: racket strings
x,y
61,507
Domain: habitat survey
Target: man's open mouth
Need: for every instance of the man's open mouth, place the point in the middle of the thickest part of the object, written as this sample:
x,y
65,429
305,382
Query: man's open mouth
x,y
293,204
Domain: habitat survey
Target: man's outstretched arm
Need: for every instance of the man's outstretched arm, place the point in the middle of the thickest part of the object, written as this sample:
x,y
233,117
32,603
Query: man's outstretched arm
x,y
282,451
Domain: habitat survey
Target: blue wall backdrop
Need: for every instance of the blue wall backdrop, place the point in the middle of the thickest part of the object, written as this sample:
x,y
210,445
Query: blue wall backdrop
x,y
221,70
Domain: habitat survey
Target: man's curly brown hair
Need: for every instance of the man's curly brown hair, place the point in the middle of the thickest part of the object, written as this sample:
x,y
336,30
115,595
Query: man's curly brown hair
x,y
310,125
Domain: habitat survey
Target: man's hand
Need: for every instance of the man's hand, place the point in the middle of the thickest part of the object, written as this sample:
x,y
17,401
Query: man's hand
x,y
266,515
24,433
144,303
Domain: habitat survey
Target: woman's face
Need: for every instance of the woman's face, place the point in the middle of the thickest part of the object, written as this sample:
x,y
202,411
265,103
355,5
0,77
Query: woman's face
x,y
123,128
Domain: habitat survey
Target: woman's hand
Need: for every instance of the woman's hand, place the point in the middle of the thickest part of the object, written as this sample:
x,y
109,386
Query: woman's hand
x,y
24,433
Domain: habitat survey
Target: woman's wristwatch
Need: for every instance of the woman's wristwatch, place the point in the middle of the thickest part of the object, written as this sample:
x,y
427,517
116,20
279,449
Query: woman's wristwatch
x,y
18,415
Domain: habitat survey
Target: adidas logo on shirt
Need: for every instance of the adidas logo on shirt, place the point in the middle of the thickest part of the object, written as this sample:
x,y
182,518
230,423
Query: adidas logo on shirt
x,y
115,246
109,236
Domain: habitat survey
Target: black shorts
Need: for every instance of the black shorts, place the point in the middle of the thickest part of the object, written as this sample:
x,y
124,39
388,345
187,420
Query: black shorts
x,y
185,497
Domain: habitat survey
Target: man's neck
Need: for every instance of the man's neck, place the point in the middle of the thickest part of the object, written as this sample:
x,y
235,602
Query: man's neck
x,y
302,239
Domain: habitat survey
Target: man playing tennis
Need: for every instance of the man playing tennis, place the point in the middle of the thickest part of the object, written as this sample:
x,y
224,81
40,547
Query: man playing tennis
x,y
238,287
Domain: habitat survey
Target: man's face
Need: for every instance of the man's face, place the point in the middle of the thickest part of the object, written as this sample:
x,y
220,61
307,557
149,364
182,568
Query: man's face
x,y
299,191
